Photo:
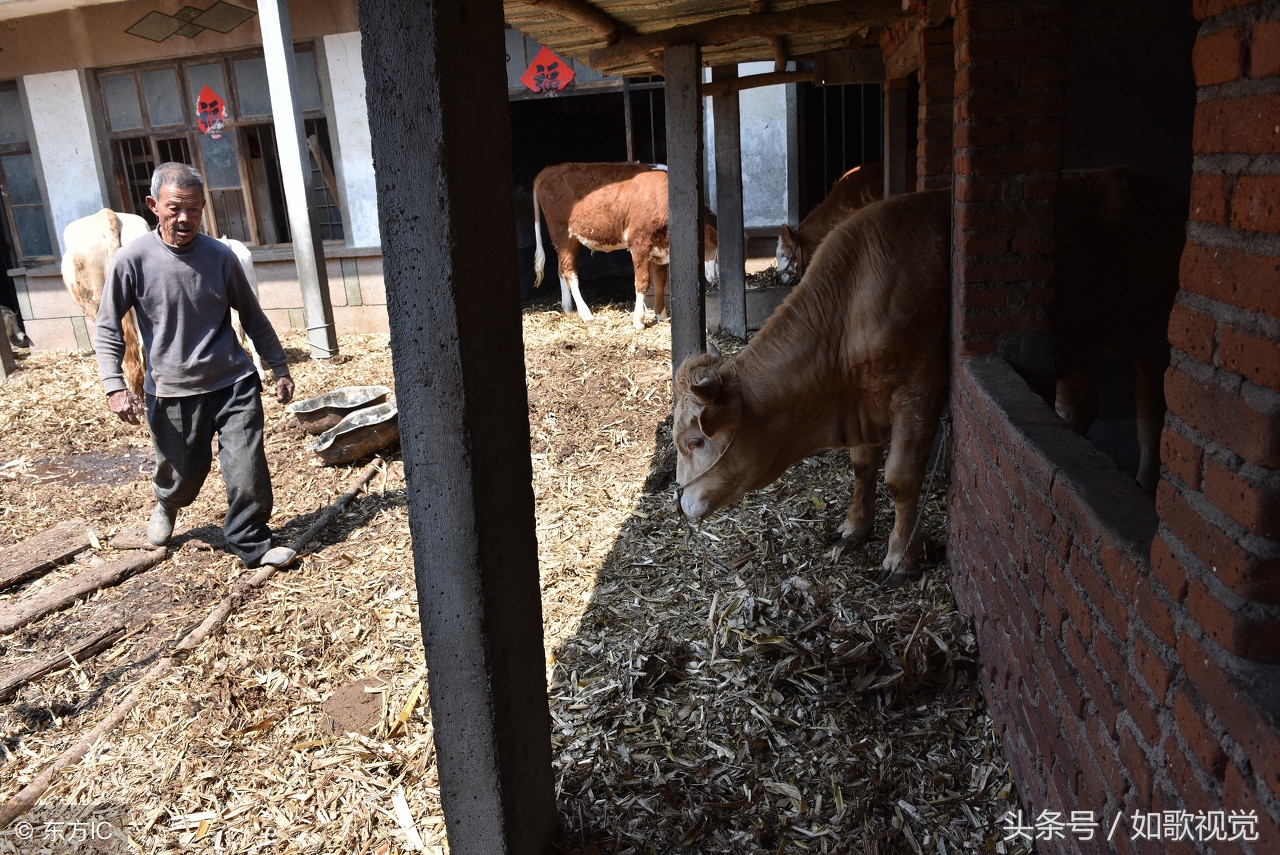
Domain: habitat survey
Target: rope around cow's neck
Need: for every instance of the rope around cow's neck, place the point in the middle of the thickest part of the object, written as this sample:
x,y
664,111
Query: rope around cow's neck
x,y
679,488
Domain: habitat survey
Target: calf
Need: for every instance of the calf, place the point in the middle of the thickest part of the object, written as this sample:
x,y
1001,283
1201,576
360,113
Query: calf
x,y
856,189
857,356
606,207
90,245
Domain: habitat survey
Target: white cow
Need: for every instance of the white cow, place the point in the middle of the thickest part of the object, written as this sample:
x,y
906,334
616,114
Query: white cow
x,y
91,244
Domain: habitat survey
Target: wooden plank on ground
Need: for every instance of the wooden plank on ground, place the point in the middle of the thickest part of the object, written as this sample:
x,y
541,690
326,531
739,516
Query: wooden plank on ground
x,y
78,651
22,611
37,555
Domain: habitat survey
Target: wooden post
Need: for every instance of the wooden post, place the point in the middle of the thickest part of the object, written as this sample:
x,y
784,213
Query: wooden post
x,y
895,137
683,64
626,119
7,363
308,249
728,138
436,87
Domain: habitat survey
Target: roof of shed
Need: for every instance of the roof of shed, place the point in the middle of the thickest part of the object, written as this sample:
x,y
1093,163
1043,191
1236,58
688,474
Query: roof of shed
x,y
627,37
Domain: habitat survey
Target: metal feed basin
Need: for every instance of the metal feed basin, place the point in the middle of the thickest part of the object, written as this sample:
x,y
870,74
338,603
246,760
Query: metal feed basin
x,y
360,434
319,414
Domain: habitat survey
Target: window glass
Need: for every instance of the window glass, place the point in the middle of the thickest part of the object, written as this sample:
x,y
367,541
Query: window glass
x,y
242,165
164,105
13,126
221,163
252,87
123,111
308,82
20,174
33,233
200,76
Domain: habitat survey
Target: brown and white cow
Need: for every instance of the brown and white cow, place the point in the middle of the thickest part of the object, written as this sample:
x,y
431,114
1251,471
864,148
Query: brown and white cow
x,y
857,356
856,189
90,244
606,207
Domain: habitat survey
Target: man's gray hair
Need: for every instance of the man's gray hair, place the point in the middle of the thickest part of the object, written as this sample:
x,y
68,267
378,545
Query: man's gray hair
x,y
173,174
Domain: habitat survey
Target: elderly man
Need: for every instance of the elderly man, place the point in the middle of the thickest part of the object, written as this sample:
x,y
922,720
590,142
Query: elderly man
x,y
199,382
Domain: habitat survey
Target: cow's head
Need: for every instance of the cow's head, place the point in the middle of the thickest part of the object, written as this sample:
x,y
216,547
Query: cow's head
x,y
790,255
713,465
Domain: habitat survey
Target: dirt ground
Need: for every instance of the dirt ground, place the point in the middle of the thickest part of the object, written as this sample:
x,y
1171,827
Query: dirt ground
x,y
741,687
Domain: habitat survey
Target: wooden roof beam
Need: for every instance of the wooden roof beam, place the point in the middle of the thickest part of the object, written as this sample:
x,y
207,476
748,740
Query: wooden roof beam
x,y
754,81
633,50
582,12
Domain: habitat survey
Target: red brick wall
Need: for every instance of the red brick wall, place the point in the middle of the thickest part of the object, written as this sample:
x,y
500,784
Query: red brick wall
x,y
1131,653
1216,562
937,93
1007,139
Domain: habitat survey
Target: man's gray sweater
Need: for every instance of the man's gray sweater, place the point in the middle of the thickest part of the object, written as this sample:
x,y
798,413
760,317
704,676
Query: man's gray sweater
x,y
182,299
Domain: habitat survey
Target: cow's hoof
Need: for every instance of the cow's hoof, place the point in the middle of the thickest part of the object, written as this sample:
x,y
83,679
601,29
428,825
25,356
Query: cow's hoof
x,y
897,570
847,535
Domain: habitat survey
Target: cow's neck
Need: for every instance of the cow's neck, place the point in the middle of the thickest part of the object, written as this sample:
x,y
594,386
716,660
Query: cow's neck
x,y
795,387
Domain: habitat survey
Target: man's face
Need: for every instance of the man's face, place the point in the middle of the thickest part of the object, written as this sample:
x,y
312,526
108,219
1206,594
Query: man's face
x,y
178,211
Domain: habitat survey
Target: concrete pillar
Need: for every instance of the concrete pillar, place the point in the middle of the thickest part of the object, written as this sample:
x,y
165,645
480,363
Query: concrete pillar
x,y
442,146
308,250
683,65
353,159
63,143
728,155
895,138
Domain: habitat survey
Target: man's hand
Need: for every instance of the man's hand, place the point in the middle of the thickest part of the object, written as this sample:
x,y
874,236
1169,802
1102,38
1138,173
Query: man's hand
x,y
126,405
284,389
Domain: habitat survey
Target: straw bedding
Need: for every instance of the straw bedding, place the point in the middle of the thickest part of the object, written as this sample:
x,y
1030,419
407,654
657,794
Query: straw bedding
x,y
741,687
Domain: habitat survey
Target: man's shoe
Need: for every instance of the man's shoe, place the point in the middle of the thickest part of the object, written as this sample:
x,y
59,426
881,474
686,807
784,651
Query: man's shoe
x,y
160,529
277,556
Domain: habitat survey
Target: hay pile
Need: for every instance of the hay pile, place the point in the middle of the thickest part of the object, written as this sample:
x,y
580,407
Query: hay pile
x,y
743,687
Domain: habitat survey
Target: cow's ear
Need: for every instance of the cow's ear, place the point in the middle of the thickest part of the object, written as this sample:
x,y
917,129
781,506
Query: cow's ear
x,y
724,415
706,388
788,236
712,350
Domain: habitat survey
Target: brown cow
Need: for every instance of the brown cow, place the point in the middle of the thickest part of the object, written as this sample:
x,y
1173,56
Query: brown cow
x,y
857,356
856,189
605,207
90,245
1119,241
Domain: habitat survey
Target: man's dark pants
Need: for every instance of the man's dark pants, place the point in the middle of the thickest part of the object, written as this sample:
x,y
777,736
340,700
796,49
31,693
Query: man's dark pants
x,y
182,431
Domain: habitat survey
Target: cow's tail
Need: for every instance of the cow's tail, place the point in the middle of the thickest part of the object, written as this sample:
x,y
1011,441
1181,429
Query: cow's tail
x,y
539,257
134,364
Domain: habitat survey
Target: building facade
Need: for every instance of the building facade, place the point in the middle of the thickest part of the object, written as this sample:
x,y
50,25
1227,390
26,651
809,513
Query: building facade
x,y
93,97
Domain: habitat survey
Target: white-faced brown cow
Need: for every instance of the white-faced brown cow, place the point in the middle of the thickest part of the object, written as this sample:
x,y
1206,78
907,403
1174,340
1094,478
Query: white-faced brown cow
x,y
606,207
856,189
857,357
90,244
